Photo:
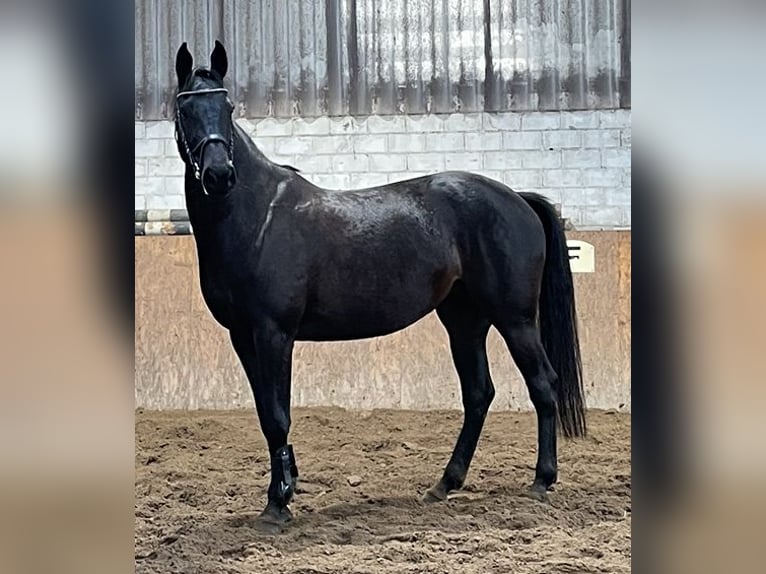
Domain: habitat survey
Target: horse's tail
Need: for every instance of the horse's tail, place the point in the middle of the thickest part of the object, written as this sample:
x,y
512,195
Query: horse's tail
x,y
558,319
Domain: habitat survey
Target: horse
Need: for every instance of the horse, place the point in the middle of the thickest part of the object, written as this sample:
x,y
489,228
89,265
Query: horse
x,y
283,260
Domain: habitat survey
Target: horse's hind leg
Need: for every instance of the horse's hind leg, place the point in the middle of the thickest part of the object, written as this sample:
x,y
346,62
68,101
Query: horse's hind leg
x,y
467,329
522,336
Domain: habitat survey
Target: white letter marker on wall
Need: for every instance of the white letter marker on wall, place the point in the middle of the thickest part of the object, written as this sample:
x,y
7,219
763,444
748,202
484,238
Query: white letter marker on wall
x,y
582,256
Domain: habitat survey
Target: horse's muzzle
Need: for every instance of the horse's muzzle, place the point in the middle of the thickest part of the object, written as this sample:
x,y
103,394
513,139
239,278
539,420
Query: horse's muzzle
x,y
219,178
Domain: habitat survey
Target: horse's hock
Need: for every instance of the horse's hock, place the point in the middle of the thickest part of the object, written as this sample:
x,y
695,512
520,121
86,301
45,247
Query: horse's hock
x,y
184,359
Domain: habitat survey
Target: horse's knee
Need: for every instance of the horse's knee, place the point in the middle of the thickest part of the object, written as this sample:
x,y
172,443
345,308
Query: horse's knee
x,y
486,396
477,405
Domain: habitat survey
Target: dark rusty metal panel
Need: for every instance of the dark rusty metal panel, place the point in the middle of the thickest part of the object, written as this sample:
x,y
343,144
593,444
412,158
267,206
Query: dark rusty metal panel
x,y
335,57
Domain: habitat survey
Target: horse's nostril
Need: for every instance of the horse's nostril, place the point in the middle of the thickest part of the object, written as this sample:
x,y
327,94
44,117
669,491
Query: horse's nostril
x,y
211,177
219,178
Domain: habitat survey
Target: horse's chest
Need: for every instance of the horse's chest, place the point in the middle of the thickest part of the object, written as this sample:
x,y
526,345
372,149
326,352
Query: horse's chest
x,y
218,296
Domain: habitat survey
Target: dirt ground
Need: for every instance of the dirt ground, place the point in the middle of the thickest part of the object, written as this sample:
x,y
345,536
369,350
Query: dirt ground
x,y
201,480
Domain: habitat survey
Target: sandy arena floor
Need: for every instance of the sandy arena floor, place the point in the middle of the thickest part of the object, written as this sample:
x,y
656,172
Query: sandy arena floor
x,y
201,480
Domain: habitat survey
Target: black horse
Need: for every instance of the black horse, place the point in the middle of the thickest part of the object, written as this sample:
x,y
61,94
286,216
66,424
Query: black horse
x,y
284,260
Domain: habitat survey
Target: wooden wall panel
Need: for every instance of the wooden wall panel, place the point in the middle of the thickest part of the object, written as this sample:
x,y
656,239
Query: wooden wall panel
x,y
184,359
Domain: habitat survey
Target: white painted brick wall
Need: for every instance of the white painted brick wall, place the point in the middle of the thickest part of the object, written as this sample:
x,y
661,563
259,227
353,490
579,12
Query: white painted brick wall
x,y
616,157
524,179
271,127
149,148
313,127
423,124
428,162
538,121
579,159
483,141
502,160
562,178
291,145
335,181
562,139
332,144
600,138
463,123
159,130
602,177
363,180
522,140
370,144
614,119
463,161
165,166
388,162
579,120
347,126
349,163
501,122
442,142
582,158
407,143
540,159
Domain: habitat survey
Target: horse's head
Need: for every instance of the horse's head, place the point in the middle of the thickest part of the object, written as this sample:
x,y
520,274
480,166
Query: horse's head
x,y
204,128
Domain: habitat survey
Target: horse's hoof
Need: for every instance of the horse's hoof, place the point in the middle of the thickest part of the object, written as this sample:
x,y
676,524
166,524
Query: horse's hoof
x,y
273,520
537,492
435,494
265,527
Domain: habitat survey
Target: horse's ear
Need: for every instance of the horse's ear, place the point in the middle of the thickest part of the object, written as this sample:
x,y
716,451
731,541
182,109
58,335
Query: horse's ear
x,y
219,62
184,63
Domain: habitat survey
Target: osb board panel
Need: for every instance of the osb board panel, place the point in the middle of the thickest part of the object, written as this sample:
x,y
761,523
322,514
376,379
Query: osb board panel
x,y
603,307
184,359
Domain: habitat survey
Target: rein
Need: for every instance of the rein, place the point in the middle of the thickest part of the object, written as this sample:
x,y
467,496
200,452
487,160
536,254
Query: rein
x,y
203,143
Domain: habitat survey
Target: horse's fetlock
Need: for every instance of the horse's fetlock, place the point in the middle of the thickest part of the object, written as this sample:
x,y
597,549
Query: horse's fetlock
x,y
547,473
284,474
453,478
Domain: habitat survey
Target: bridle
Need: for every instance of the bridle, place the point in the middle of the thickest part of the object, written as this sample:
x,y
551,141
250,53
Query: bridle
x,y
199,149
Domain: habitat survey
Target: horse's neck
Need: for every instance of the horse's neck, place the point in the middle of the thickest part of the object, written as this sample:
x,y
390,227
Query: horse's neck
x,y
244,210
257,179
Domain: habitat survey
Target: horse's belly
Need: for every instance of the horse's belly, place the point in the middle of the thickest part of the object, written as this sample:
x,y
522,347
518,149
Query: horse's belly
x,y
354,324
356,310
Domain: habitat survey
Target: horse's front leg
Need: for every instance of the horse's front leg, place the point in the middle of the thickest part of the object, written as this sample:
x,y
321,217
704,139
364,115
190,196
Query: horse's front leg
x,y
266,355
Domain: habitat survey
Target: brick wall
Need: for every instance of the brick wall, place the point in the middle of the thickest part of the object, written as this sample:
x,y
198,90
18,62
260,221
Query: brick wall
x,y
579,159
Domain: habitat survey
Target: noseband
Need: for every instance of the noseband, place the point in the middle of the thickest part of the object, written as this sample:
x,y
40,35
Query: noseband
x,y
199,149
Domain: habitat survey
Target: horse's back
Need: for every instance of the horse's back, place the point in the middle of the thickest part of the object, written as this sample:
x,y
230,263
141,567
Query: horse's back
x,y
464,193
448,217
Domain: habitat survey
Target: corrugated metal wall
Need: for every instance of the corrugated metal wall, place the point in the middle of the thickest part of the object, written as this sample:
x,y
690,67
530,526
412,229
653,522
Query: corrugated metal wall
x,y
335,57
